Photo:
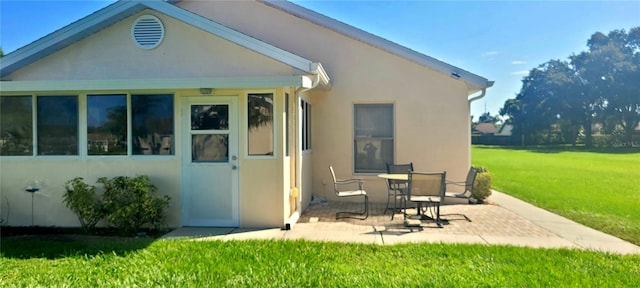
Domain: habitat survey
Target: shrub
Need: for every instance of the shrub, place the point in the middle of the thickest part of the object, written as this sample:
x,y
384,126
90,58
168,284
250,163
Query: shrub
x,y
482,185
130,203
81,199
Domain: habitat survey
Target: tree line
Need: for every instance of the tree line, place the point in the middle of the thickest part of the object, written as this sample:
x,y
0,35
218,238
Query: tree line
x,y
561,101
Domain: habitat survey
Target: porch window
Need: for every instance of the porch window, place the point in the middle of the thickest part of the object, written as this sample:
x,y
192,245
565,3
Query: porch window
x,y
373,137
16,126
306,125
152,124
57,125
107,124
260,122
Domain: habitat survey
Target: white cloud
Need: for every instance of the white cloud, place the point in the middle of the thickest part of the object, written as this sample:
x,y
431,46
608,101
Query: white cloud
x,y
521,72
517,62
490,53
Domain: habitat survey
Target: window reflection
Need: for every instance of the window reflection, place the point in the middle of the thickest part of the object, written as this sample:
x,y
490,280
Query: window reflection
x,y
152,124
16,126
210,148
260,121
209,117
107,124
57,125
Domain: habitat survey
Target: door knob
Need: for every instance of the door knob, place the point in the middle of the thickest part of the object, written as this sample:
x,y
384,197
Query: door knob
x,y
234,167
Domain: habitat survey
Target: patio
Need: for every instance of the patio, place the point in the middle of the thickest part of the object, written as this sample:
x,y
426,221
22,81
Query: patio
x,y
486,219
504,220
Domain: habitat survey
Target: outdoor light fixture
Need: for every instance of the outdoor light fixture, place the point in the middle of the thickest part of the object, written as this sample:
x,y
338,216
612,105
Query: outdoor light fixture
x,y
455,75
32,189
206,91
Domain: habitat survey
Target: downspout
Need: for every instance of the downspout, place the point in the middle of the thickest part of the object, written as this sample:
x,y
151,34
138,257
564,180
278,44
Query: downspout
x,y
298,146
484,92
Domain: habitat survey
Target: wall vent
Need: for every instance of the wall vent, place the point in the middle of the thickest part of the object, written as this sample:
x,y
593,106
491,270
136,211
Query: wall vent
x,y
147,32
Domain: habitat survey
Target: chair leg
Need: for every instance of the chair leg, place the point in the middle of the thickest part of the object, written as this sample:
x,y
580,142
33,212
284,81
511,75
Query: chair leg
x,y
388,201
349,214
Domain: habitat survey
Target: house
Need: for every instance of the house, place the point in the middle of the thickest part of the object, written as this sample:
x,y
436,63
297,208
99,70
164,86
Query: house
x,y
236,118
485,129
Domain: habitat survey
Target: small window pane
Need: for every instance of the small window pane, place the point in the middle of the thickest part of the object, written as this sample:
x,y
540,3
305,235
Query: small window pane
x,y
16,126
152,124
373,143
57,125
260,114
210,148
209,117
107,124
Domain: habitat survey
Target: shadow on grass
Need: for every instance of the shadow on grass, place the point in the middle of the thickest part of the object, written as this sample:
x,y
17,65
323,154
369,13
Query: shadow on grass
x,y
64,243
552,149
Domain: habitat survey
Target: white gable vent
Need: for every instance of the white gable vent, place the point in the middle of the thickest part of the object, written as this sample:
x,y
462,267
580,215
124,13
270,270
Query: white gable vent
x,y
147,32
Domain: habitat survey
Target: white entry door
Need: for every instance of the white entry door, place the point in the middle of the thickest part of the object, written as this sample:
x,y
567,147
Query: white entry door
x,y
210,159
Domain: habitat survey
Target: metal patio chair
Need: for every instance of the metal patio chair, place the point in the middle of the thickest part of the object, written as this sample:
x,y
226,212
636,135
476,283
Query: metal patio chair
x,y
426,189
396,188
468,189
338,187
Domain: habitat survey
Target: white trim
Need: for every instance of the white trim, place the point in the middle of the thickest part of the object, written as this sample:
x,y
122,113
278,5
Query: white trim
x,y
153,84
123,9
236,37
245,128
474,82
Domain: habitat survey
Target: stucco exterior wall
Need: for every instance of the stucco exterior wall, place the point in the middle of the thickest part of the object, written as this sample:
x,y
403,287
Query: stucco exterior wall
x,y
431,109
52,172
185,52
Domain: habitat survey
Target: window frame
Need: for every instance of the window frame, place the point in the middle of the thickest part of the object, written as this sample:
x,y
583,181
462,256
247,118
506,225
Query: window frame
x,y
354,137
305,124
274,127
82,127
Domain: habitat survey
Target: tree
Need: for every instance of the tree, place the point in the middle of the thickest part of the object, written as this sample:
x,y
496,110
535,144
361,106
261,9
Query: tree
x,y
558,98
612,67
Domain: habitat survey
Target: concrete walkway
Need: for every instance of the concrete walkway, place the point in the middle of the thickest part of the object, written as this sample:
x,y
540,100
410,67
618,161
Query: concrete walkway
x,y
505,221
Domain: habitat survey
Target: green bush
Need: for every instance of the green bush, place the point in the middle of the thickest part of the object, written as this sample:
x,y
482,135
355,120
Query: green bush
x,y
130,203
81,199
482,185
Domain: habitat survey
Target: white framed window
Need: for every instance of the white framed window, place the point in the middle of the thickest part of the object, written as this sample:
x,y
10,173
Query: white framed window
x,y
373,137
16,126
260,128
306,125
57,125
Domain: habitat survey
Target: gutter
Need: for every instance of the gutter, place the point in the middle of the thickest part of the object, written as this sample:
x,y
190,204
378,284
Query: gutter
x,y
320,77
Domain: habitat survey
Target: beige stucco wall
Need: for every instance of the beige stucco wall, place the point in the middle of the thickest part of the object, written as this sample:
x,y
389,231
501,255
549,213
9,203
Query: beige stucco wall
x,y
431,109
185,52
52,172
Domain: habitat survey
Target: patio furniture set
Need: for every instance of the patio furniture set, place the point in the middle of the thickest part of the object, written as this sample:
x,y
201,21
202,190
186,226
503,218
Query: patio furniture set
x,y
423,190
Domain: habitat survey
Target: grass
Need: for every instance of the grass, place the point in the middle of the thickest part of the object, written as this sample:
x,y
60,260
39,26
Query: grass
x,y
600,189
263,263
594,188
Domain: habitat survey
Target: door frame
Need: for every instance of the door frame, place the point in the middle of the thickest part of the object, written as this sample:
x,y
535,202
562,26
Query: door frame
x,y
234,150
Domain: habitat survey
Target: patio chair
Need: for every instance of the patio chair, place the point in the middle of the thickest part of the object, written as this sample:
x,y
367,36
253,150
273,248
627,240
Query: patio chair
x,y
468,189
338,185
396,188
427,190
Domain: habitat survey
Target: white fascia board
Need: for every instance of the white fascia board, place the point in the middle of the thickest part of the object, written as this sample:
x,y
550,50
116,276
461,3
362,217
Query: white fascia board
x,y
12,87
234,36
474,81
68,35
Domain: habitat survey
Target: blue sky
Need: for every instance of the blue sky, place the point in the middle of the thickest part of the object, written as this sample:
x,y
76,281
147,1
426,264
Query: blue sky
x,y
499,40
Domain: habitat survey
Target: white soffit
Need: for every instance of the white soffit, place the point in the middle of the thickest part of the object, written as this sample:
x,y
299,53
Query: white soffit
x,y
9,87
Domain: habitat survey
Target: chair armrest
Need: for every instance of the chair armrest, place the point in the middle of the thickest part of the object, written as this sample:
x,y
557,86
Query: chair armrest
x,y
360,182
459,183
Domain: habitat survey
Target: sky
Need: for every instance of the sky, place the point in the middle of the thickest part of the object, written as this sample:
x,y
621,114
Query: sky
x,y
498,40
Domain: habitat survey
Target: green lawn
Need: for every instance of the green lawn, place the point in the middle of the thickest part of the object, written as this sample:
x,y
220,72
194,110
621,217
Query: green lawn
x,y
182,263
600,189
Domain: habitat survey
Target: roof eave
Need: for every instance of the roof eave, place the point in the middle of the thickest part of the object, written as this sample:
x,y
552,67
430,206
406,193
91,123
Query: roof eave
x,y
473,81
